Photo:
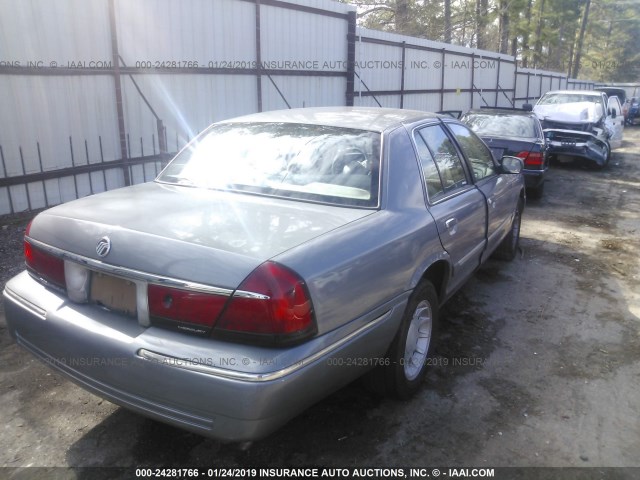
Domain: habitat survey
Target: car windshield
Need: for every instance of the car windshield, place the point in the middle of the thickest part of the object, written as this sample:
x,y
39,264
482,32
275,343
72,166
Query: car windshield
x,y
558,98
501,125
309,162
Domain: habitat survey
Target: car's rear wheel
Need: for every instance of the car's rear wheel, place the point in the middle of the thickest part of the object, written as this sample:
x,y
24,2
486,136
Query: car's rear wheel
x,y
536,192
509,247
409,352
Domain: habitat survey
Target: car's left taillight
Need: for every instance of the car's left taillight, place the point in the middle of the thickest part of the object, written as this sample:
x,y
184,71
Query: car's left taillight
x,y
43,265
532,160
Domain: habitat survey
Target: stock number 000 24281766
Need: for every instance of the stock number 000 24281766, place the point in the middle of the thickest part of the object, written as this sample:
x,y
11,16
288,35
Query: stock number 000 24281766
x,y
374,362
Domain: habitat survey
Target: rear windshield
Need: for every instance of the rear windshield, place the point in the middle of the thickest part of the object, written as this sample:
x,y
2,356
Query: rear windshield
x,y
307,162
502,125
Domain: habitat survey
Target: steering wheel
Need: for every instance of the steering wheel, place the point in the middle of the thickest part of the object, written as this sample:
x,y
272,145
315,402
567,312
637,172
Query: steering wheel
x,y
350,160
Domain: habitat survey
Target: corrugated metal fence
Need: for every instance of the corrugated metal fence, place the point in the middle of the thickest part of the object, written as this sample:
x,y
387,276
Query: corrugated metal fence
x,y
98,94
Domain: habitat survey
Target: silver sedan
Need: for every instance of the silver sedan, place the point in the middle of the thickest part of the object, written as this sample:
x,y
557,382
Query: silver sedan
x,y
277,258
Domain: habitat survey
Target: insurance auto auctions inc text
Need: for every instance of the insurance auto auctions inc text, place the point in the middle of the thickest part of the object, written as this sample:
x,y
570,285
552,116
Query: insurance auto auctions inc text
x,y
375,472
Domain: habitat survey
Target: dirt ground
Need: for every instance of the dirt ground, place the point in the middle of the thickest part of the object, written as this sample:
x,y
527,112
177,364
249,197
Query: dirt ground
x,y
538,364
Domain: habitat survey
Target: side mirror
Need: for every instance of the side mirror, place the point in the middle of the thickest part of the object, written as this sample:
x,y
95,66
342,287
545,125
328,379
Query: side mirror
x,y
527,107
614,113
511,164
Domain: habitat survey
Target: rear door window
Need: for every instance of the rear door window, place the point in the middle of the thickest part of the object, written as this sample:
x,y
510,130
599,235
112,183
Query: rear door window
x,y
475,150
442,167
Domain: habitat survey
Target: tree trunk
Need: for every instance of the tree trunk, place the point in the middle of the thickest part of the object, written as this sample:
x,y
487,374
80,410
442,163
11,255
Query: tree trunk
x,y
571,47
504,26
537,51
447,21
402,16
482,9
583,28
525,36
555,53
463,41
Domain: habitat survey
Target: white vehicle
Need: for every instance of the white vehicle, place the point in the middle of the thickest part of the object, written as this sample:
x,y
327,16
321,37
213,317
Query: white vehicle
x,y
579,123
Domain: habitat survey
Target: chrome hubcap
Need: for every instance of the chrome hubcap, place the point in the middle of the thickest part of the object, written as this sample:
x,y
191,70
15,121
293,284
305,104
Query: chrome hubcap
x,y
418,340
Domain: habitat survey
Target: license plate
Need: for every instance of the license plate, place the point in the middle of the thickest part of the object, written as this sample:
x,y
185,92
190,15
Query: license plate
x,y
113,293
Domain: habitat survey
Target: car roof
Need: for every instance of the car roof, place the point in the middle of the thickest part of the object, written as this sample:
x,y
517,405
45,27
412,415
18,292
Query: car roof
x,y
576,92
502,111
361,118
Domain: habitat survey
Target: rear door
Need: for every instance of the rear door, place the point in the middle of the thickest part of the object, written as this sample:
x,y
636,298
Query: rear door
x,y
457,206
499,192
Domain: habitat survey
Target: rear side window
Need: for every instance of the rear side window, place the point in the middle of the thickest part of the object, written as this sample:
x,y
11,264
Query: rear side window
x,y
476,151
441,166
429,170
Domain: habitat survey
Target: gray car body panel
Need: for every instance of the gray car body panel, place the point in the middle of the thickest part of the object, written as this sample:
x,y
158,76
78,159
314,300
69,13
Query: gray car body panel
x,y
100,351
184,231
360,266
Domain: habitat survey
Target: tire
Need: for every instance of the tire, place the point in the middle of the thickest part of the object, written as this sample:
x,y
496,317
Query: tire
x,y
536,192
607,157
509,247
407,356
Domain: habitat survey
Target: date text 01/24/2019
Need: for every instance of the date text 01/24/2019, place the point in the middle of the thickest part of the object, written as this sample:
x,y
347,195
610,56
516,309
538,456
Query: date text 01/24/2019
x,y
383,361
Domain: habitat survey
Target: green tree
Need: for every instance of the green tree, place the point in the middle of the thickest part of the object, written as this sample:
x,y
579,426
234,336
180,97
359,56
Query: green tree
x,y
595,39
612,37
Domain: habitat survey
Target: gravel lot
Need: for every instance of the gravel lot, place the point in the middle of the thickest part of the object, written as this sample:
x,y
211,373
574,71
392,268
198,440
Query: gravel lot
x,y
538,364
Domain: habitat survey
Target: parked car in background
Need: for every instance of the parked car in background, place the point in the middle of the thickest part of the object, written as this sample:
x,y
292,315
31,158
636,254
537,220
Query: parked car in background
x,y
633,117
580,124
514,132
621,95
278,257
619,92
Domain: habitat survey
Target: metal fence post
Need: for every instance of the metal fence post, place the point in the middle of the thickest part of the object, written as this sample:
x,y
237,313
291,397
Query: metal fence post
x,y
258,57
118,92
351,58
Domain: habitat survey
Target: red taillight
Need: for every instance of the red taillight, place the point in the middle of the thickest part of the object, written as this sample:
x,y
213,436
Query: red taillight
x,y
185,306
531,159
44,265
271,305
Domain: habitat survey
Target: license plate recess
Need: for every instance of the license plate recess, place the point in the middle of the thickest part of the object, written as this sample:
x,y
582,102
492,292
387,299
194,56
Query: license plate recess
x,y
113,293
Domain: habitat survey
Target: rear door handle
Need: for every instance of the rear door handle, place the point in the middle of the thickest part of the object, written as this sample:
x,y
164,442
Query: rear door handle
x,y
452,226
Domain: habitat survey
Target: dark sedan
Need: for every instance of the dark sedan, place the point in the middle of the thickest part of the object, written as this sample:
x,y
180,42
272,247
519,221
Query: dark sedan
x,y
517,133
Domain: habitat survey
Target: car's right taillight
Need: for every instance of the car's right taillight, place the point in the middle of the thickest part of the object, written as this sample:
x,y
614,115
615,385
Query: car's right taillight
x,y
271,306
533,160
43,265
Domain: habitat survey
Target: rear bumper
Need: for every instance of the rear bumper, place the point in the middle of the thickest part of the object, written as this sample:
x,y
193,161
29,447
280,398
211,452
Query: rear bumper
x,y
238,396
533,178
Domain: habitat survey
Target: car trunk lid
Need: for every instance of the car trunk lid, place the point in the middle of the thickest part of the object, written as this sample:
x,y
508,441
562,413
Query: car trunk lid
x,y
210,237
524,148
